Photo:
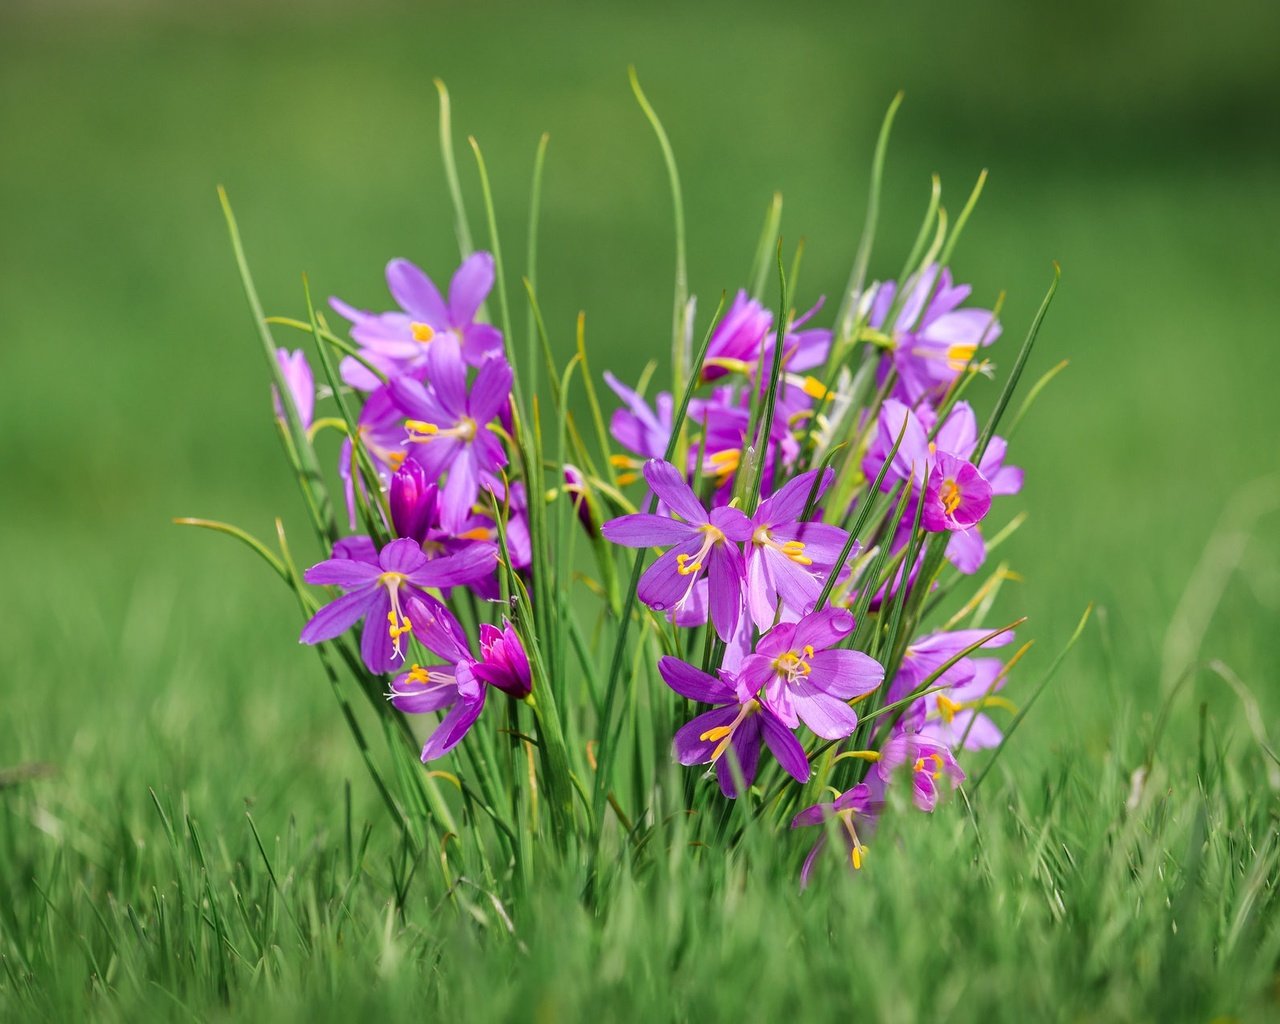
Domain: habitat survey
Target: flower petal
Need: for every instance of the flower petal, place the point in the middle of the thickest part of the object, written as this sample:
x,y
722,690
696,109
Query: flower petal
x,y
336,617
643,530
453,727
785,747
823,629
668,484
415,293
342,572
694,683
470,286
845,674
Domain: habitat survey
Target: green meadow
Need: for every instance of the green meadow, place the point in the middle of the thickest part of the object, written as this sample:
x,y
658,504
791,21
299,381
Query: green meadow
x,y
186,829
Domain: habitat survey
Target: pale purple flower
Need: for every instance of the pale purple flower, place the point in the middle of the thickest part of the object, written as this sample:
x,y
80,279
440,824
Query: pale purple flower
x,y
301,384
956,717
789,560
932,339
928,762
856,810
451,428
926,656
801,675
699,542
738,723
397,342
390,595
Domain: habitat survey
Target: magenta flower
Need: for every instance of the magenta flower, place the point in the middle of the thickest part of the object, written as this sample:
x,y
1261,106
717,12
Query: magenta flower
x,y
928,760
301,384
857,810
743,341
397,342
699,542
503,662
390,596
801,676
451,429
925,656
789,560
739,723
957,496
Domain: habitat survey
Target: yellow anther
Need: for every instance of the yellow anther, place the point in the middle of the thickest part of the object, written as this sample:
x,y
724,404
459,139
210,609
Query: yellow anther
x,y
725,363
856,856
421,332
958,355
725,462
419,676
790,663
718,732
396,631
396,459
921,765
627,478
794,550
947,708
808,650
622,462
421,427
685,567
814,388
479,533
950,495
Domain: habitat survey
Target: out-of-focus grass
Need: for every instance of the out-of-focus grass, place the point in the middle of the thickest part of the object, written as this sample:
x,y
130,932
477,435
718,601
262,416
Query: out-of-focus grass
x,y
1138,149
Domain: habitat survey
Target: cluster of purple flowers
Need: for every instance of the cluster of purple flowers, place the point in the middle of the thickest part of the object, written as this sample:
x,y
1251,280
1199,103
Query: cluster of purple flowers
x,y
753,545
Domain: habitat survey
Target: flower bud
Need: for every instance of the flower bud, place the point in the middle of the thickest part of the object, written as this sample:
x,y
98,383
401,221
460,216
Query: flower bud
x,y
503,662
413,501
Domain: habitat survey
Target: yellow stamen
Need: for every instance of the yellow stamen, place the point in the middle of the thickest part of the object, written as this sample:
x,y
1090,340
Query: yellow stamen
x,y
421,431
814,388
921,765
789,663
950,495
686,568
947,708
718,732
958,356
421,332
622,462
725,462
627,478
479,533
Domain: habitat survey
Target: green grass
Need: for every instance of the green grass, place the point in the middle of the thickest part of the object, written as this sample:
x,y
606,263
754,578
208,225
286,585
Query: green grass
x,y
139,656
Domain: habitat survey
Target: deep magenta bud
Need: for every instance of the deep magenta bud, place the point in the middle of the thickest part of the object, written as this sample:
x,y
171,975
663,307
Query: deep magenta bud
x,y
576,485
503,662
413,501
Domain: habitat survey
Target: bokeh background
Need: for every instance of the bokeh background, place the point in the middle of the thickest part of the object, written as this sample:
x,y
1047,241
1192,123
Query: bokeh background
x,y
1136,143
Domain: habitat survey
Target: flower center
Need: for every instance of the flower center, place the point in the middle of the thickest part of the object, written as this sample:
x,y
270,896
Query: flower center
x,y
950,495
422,333
792,549
857,849
420,431
794,665
688,565
922,765
398,623
420,676
724,733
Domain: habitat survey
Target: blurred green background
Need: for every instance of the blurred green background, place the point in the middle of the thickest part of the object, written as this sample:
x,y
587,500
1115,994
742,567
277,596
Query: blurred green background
x,y
1137,144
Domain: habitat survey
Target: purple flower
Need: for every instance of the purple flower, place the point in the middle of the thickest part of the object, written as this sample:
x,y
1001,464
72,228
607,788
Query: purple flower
x,y
413,501
788,560
503,662
397,342
451,428
957,496
801,676
739,723
856,809
380,430
638,428
743,342
929,761
390,596
576,486
932,339
700,542
925,656
435,687
301,384
955,718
